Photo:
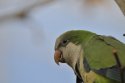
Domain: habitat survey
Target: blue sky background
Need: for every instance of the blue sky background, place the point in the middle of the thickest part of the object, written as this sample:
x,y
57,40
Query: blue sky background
x,y
27,45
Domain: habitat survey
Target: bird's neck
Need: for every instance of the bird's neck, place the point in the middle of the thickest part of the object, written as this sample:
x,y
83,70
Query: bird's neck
x,y
75,52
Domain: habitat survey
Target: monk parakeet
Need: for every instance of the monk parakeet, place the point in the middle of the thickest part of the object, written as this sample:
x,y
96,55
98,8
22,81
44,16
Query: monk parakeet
x,y
94,58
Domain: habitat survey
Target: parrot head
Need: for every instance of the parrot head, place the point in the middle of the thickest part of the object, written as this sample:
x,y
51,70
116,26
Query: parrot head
x,y
69,46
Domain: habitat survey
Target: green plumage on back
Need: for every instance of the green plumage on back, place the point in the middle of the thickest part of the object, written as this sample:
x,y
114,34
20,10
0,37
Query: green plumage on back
x,y
99,52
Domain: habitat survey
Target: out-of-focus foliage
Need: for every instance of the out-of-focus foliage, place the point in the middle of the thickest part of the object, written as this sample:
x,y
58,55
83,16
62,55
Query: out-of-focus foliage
x,y
15,14
9,8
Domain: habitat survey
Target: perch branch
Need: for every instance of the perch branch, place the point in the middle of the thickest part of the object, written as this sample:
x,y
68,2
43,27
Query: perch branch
x,y
121,4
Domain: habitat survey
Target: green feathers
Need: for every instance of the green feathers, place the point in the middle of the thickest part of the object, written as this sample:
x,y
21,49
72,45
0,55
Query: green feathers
x,y
77,36
98,54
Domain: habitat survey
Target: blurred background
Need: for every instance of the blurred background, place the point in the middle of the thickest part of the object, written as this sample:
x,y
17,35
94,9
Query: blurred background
x,y
29,28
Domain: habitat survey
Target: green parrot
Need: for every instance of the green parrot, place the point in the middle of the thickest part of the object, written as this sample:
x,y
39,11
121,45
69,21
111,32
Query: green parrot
x,y
94,58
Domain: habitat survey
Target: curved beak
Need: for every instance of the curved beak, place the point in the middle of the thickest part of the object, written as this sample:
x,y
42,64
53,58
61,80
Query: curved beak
x,y
57,56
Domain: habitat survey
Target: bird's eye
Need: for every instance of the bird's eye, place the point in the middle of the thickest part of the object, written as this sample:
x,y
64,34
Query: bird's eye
x,y
64,42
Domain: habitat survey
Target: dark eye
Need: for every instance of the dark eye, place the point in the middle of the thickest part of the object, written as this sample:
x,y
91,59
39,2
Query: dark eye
x,y
65,42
